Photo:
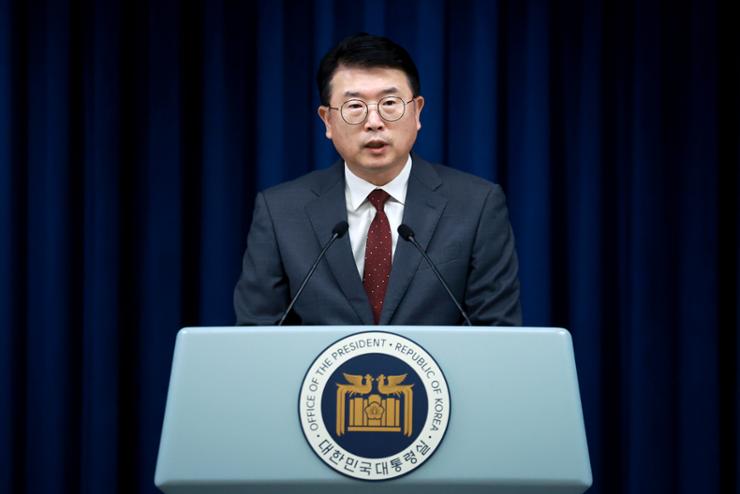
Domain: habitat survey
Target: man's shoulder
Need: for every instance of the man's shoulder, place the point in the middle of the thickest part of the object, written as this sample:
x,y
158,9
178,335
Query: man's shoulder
x,y
453,180
310,184
450,174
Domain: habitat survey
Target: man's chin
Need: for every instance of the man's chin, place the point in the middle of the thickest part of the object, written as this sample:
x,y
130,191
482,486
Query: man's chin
x,y
377,171
378,166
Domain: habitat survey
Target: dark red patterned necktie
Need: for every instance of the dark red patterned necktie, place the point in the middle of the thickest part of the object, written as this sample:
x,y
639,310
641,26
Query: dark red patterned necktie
x,y
377,254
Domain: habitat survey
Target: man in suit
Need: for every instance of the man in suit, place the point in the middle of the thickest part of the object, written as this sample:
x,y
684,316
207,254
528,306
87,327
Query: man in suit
x,y
371,107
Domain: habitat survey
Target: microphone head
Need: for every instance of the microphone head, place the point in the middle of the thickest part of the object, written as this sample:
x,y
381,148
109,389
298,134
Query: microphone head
x,y
340,229
405,231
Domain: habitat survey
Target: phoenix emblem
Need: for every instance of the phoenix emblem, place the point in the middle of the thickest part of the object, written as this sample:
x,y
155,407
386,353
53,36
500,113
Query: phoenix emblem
x,y
374,412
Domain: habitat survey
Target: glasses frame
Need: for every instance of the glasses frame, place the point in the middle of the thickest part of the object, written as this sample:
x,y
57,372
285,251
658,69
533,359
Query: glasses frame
x,y
377,108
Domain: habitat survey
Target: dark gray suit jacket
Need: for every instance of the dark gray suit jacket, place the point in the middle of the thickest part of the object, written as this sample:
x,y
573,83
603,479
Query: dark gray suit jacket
x,y
461,220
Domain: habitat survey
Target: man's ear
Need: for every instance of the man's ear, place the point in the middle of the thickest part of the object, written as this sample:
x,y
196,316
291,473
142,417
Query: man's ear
x,y
419,105
323,112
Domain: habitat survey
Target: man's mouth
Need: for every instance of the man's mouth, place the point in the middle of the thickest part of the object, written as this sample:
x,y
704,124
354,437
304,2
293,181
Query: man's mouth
x,y
376,144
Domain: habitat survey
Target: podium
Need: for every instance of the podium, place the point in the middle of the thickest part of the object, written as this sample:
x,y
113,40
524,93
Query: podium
x,y
236,418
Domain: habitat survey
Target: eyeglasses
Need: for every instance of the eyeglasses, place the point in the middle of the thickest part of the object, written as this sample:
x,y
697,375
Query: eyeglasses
x,y
390,109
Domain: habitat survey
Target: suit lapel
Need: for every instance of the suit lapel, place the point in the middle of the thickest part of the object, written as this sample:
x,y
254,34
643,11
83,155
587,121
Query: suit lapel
x,y
421,212
322,212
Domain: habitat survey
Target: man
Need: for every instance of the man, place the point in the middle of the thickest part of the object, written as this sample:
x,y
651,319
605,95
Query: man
x,y
371,107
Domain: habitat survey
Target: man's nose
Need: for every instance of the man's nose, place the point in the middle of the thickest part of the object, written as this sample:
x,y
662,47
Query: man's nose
x,y
373,120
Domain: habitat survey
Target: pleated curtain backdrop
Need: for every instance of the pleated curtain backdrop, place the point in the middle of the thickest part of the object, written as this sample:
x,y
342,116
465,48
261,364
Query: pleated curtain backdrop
x,y
134,136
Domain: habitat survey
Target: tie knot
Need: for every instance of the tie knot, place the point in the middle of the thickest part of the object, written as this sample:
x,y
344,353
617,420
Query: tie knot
x,y
377,198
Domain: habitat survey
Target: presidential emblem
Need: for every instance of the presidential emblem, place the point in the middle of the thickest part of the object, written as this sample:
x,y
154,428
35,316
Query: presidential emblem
x,y
374,406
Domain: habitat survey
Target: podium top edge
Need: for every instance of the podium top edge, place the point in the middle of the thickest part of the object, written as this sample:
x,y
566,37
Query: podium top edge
x,y
380,329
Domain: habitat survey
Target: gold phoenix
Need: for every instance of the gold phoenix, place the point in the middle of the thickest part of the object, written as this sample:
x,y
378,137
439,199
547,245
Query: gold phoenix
x,y
371,412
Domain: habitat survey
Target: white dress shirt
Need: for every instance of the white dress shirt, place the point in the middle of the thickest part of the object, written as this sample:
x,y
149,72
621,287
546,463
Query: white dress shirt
x,y
360,212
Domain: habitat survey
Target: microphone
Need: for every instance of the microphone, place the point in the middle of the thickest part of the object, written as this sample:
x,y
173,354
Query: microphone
x,y
338,232
407,234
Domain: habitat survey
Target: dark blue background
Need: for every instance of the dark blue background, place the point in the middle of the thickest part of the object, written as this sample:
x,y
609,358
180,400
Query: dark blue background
x,y
134,134
375,444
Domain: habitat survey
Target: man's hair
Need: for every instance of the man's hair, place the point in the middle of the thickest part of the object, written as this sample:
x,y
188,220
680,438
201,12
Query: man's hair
x,y
365,51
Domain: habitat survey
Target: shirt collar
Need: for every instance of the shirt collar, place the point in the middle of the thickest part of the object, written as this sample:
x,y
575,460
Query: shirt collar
x,y
358,189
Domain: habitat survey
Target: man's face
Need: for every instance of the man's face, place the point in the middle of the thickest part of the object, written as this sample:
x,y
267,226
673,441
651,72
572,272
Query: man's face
x,y
375,149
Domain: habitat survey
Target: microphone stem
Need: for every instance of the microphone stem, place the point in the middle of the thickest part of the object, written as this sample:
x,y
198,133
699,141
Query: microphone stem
x,y
308,277
412,239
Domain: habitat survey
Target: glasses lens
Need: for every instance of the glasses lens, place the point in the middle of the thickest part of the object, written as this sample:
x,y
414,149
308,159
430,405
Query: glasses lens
x,y
391,108
354,111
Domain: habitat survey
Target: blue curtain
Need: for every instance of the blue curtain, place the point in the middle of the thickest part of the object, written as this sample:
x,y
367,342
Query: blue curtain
x,y
134,135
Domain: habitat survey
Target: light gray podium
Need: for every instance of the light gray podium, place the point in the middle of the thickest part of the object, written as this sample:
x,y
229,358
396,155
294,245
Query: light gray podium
x,y
231,424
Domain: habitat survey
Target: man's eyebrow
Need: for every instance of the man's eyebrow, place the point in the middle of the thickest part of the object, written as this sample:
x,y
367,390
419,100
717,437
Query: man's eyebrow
x,y
384,92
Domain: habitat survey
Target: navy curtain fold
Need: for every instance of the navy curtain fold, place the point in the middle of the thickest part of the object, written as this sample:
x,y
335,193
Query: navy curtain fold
x,y
134,136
